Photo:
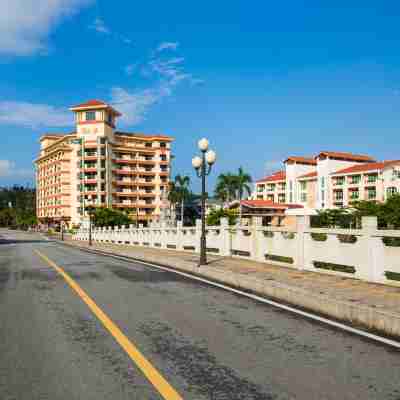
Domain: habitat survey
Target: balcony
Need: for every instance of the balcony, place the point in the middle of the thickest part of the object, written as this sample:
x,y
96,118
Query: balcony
x,y
146,162
125,161
125,171
88,169
144,183
124,183
125,194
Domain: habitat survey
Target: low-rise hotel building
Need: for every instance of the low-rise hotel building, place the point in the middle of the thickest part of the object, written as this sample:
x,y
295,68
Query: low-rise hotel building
x,y
328,180
97,165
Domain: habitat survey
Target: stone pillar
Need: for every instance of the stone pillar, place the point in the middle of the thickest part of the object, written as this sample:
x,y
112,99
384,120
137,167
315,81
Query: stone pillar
x,y
179,236
257,240
302,224
374,247
225,249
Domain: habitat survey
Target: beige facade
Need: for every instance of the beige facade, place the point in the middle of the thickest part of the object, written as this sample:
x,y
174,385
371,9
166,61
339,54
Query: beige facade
x,y
102,167
328,180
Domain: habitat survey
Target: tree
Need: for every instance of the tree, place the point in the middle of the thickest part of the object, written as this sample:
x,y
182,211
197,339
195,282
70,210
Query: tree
x,y
109,217
243,181
181,184
214,217
18,207
225,189
390,211
333,218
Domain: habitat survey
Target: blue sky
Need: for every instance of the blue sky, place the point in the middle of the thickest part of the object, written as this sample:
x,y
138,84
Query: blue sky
x,y
261,80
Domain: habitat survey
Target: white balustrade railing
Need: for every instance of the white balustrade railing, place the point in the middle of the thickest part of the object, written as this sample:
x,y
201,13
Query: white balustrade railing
x,y
368,254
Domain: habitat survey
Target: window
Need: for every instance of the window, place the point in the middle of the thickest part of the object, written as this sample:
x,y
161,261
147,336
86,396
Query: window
x,y
390,191
355,179
162,144
90,115
354,194
372,178
371,193
148,145
303,185
303,197
338,194
339,181
323,182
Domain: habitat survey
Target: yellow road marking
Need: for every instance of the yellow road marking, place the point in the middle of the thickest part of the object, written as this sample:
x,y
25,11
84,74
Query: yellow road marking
x,y
163,387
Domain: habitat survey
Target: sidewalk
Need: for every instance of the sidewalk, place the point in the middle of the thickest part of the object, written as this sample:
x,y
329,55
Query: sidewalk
x,y
376,307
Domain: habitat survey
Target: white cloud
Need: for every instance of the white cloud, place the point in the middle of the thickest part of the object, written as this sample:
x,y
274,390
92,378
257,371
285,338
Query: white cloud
x,y
167,46
33,115
99,26
134,105
8,169
26,24
168,73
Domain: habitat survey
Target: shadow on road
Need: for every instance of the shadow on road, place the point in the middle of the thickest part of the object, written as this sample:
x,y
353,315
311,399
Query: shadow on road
x,y
21,241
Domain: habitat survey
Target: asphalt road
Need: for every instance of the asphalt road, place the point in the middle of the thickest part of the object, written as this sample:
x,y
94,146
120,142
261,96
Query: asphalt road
x,y
206,342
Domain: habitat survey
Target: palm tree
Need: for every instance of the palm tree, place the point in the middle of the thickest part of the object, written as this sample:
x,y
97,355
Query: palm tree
x,y
182,183
243,179
173,197
226,186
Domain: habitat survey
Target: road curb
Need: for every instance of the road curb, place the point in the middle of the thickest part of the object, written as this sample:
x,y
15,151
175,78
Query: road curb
x,y
372,319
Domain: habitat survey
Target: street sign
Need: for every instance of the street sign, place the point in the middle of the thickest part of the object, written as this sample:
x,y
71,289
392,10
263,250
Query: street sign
x,y
77,141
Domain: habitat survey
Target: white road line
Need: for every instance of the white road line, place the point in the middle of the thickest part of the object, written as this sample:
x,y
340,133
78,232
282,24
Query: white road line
x,y
359,332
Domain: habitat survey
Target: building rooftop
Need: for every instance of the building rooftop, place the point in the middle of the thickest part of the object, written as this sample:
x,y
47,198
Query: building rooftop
x,y
268,204
373,166
345,156
276,176
144,136
313,174
92,104
301,160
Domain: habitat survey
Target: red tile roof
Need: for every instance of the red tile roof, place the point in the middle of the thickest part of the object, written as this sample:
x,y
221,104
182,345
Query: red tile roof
x,y
268,204
302,160
309,175
144,136
91,103
276,176
373,166
346,156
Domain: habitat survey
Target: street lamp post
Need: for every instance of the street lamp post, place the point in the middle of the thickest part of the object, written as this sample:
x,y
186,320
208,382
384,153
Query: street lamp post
x,y
203,166
62,229
90,210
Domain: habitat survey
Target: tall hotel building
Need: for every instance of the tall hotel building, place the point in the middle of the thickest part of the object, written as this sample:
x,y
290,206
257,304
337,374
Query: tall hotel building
x,y
99,166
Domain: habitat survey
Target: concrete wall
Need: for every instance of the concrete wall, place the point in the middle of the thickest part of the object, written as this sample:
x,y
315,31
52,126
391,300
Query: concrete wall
x,y
359,254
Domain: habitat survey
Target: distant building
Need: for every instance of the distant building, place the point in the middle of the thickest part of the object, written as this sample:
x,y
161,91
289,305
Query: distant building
x,y
328,180
97,165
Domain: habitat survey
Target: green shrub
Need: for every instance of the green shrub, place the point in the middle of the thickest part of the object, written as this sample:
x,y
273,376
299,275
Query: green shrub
x,y
393,276
268,234
214,217
284,259
348,269
319,237
391,241
347,238
288,235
